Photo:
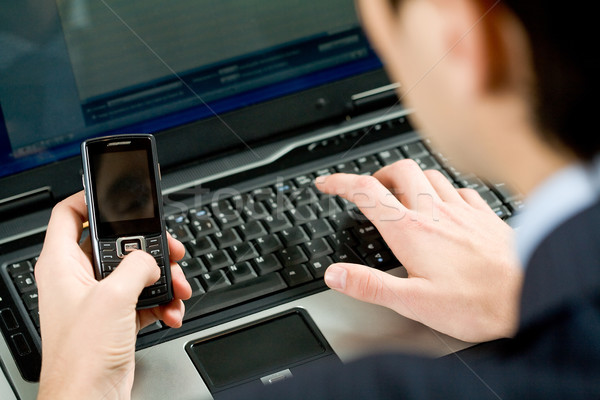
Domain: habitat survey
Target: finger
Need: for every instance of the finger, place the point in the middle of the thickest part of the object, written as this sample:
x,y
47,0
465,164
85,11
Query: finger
x,y
171,314
372,198
181,287
474,199
86,247
176,248
66,222
443,187
137,270
407,181
373,286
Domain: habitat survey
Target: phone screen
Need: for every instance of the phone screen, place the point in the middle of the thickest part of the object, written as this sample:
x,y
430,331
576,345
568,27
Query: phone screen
x,y
124,189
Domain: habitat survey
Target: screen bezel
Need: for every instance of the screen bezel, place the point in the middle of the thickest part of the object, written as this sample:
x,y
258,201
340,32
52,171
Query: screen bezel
x,y
115,229
285,116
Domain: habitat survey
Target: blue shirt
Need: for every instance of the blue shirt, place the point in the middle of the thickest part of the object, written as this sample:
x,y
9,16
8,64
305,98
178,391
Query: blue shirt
x,y
557,199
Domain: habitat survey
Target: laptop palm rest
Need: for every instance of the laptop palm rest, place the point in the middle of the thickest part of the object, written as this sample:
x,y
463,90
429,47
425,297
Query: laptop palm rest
x,y
261,353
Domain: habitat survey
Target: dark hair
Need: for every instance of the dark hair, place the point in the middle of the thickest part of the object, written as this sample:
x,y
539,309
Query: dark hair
x,y
563,39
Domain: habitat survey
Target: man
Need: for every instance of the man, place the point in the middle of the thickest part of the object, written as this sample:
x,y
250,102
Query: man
x,y
505,89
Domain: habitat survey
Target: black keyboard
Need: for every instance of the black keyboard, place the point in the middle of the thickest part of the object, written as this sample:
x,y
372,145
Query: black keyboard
x,y
276,240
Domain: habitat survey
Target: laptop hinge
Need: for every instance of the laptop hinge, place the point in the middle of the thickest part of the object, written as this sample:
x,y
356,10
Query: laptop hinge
x,y
375,98
23,203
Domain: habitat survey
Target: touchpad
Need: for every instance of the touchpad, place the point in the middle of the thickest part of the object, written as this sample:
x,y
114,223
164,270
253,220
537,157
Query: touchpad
x,y
260,353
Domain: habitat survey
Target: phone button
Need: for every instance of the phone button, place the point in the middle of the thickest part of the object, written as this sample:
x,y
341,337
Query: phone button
x,y
129,247
128,244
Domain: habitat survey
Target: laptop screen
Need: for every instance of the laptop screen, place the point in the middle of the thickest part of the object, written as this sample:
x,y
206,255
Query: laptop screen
x,y
73,69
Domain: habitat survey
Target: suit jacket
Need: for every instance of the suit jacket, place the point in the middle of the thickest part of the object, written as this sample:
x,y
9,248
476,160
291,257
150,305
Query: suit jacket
x,y
555,354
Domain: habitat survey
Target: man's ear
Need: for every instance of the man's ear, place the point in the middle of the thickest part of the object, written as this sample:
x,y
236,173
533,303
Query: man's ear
x,y
476,48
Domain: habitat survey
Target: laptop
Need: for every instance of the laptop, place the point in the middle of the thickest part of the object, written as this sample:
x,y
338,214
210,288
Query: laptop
x,y
249,102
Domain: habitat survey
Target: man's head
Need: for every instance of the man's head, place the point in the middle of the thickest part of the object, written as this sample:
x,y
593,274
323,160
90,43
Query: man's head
x,y
494,82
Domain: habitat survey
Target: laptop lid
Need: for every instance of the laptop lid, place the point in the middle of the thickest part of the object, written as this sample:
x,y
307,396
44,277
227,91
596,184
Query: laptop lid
x,y
204,77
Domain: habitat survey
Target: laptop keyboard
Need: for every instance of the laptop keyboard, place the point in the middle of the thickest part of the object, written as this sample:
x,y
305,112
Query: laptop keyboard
x,y
279,237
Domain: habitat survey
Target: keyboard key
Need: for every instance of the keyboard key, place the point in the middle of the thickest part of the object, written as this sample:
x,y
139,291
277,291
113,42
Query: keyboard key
x,y
344,237
324,172
347,255
254,210
203,227
366,248
317,248
222,206
192,267
284,187
19,268
199,214
217,259
241,272
517,205
388,157
196,286
252,230
318,266
472,182
347,168
292,236
181,233
383,259
35,317
296,275
302,215
24,282
327,206
303,181
505,193
242,252
318,228
172,221
343,220
502,212
414,150
266,264
292,256
227,237
201,246
229,219
276,223
31,300
365,232
300,197
427,162
490,198
231,295
262,194
268,244
8,318
368,164
278,204
215,280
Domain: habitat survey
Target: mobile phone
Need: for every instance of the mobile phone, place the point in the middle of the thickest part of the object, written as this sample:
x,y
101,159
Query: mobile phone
x,y
121,178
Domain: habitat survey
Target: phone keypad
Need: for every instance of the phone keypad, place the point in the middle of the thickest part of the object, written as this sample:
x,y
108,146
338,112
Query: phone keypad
x,y
109,260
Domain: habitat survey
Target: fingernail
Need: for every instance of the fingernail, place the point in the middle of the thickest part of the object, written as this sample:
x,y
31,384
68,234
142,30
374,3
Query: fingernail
x,y
320,180
181,311
335,277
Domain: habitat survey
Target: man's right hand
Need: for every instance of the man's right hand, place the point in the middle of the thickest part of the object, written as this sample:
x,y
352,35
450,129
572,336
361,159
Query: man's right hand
x,y
464,278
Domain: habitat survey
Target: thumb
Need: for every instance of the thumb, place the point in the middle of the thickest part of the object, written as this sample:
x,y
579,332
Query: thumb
x,y
137,270
370,285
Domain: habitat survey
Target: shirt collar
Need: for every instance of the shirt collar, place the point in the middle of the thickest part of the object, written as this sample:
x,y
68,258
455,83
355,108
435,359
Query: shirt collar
x,y
557,199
